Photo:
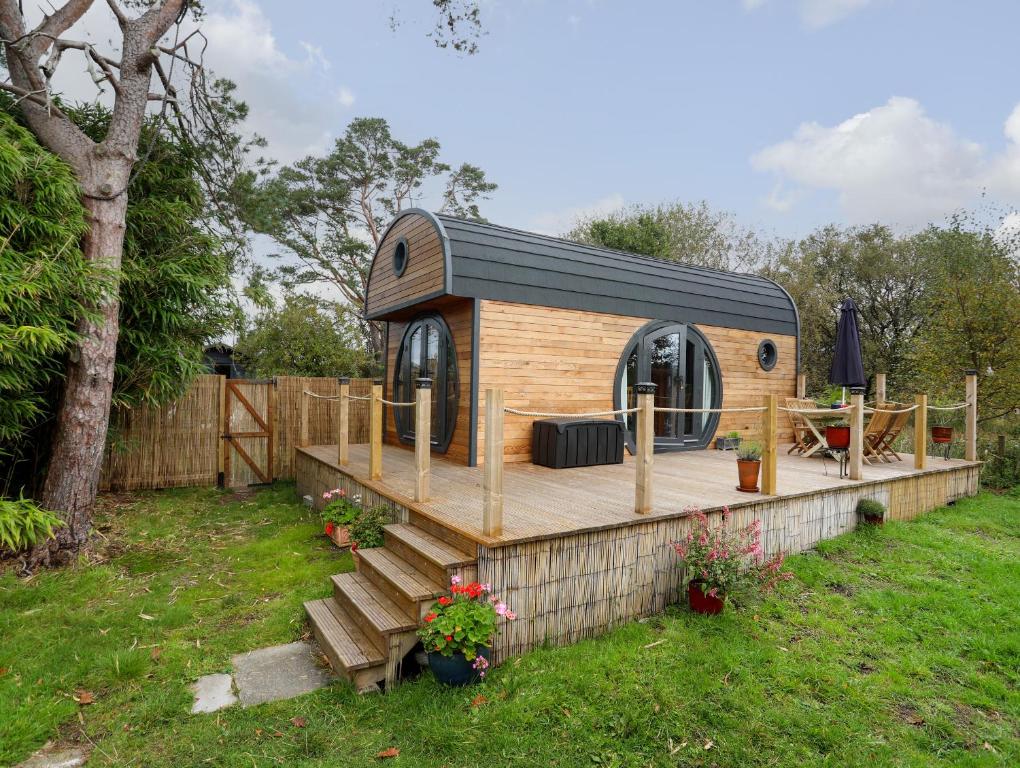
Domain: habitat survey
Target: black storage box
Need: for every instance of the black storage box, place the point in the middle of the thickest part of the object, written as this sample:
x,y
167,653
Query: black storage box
x,y
561,443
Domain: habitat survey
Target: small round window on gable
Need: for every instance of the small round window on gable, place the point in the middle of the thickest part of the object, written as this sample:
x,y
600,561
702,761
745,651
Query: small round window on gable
x,y
768,355
400,257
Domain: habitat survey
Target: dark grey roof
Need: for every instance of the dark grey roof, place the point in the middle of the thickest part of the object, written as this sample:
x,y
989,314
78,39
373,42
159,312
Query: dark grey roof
x,y
492,262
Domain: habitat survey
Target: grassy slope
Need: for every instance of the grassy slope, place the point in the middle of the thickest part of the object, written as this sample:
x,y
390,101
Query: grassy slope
x,y
892,647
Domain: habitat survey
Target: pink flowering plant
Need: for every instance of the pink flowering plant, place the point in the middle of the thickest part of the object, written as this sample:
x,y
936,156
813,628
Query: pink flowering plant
x,y
340,510
463,620
724,560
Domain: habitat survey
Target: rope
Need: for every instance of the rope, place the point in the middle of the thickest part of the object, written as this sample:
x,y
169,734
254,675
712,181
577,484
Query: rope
x,y
321,397
359,397
908,409
541,415
710,410
947,407
816,411
396,405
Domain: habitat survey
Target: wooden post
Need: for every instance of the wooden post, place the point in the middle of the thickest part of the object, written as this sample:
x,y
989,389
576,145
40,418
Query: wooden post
x,y
224,428
422,437
343,438
303,438
375,432
272,419
880,388
768,449
801,386
970,451
644,439
1001,446
921,431
856,434
492,469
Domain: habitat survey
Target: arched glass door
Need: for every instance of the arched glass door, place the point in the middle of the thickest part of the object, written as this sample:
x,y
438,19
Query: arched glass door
x,y
678,359
427,351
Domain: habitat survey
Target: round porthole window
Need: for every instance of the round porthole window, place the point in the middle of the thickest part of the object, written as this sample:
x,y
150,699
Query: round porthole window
x,y
768,355
400,257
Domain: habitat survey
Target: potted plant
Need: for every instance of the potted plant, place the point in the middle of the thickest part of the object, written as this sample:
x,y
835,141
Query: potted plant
x,y
720,560
872,511
837,436
458,632
366,531
728,443
337,516
748,465
941,426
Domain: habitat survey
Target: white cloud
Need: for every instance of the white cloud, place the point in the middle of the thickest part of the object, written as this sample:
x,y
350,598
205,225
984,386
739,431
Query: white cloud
x,y
817,13
893,163
345,97
557,223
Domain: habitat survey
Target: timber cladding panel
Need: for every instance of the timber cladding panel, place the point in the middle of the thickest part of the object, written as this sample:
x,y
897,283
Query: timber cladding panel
x,y
424,274
563,360
458,315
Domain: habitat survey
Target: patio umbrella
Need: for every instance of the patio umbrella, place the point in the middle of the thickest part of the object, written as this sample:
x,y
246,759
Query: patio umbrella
x,y
847,366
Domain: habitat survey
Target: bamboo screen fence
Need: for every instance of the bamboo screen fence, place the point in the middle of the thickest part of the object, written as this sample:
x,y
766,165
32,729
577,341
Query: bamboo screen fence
x,y
180,444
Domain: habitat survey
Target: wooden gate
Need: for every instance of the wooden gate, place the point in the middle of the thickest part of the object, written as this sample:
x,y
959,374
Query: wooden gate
x,y
249,426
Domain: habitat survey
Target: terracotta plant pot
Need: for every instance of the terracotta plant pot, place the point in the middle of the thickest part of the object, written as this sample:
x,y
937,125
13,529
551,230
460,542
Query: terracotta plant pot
x,y
341,536
837,436
702,603
942,434
457,670
747,471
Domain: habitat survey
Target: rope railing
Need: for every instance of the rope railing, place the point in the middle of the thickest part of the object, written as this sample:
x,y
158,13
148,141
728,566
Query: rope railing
x,y
908,409
396,405
553,415
758,409
956,407
321,397
358,397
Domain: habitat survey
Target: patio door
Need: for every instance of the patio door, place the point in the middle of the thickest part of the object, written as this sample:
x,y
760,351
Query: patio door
x,y
680,362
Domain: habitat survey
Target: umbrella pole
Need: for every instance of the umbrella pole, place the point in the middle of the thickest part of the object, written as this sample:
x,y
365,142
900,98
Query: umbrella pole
x,y
843,401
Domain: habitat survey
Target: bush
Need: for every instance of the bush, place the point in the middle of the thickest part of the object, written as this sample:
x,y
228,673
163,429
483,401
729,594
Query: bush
x,y
367,531
23,523
870,508
1002,472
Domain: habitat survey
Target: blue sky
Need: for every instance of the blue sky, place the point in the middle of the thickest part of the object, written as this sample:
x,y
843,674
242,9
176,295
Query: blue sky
x,y
788,113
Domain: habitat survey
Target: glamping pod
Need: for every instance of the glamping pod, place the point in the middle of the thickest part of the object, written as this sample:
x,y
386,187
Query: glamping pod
x,y
566,327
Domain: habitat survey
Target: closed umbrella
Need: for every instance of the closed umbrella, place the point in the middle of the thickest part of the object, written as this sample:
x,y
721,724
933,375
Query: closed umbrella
x,y
847,366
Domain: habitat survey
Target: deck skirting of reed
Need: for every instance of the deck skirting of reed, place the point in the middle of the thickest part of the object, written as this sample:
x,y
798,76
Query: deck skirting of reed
x,y
578,584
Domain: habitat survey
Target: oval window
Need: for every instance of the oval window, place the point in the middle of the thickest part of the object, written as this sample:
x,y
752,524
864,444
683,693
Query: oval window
x,y
400,257
768,355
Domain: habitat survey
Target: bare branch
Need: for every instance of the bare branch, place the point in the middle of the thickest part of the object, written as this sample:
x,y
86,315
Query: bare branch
x,y
122,18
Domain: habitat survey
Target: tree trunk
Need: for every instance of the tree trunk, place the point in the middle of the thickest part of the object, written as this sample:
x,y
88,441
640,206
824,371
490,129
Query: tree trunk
x,y
79,438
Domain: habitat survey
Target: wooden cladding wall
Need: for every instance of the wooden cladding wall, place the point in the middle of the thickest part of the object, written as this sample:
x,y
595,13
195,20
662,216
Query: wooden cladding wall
x,y
179,444
425,270
458,314
570,587
564,360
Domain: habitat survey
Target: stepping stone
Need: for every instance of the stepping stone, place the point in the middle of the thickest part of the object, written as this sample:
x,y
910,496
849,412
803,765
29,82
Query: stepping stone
x,y
212,693
51,757
279,672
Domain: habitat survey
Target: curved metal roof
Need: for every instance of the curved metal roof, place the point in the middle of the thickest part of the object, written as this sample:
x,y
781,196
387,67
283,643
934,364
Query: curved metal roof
x,y
486,261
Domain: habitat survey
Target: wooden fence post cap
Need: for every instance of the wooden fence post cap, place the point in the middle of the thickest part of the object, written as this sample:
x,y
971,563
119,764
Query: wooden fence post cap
x,y
644,388
377,382
424,383
970,371
856,390
343,379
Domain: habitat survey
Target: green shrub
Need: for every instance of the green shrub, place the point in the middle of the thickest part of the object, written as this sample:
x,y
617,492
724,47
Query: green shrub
x,y
23,523
870,508
367,531
1002,472
749,450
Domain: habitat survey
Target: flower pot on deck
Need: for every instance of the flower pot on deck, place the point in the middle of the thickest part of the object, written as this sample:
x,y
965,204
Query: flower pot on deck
x,y
747,473
456,669
727,443
942,434
701,602
837,436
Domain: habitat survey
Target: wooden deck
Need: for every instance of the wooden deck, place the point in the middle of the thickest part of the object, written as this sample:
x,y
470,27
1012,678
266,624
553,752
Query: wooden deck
x,y
542,503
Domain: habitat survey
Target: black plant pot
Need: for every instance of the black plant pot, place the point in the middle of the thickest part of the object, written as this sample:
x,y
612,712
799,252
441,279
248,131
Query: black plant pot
x,y
457,670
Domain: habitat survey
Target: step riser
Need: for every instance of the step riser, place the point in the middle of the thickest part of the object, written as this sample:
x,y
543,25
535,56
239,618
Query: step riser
x,y
452,538
391,591
415,558
351,606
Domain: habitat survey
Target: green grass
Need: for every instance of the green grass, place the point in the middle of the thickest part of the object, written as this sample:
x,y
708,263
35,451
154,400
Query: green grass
x,y
892,647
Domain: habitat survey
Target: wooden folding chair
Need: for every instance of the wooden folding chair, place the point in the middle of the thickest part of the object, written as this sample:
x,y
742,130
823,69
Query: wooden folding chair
x,y
803,438
896,426
875,431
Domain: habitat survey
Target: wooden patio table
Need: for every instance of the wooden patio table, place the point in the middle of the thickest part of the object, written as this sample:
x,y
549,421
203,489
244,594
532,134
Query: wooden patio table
x,y
820,418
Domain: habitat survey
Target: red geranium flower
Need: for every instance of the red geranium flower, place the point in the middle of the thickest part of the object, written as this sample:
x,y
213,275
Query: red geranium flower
x,y
430,617
329,528
444,600
449,638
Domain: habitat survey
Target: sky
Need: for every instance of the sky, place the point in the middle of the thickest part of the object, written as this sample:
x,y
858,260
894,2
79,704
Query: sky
x,y
790,114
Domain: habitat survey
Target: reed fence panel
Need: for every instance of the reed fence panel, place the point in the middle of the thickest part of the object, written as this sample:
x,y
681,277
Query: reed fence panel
x,y
180,444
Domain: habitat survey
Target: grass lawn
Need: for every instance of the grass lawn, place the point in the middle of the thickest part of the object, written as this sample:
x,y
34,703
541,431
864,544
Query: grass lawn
x,y
898,646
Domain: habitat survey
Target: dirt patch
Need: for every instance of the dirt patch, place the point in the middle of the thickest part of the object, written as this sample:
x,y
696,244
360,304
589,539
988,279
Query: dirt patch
x,y
909,715
842,589
239,495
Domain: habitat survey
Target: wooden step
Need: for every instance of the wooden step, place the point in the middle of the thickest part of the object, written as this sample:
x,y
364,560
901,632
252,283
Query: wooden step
x,y
410,588
345,645
451,537
377,615
427,552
